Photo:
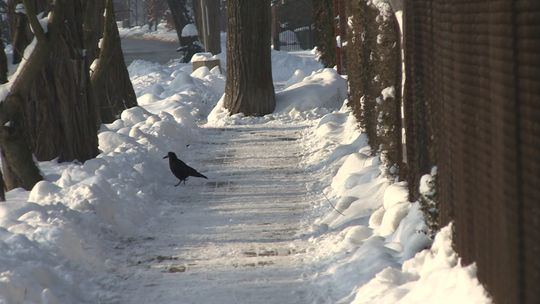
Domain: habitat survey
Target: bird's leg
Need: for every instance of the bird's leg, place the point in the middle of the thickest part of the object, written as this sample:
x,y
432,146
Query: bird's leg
x,y
179,183
185,180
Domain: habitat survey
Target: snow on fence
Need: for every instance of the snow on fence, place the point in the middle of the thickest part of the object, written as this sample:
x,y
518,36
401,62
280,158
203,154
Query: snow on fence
x,y
471,107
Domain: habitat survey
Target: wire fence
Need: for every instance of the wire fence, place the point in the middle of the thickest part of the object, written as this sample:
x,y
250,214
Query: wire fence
x,y
472,104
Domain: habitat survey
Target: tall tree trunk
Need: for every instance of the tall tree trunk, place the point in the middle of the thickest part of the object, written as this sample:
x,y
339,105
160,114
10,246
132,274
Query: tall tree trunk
x,y
180,16
19,169
60,115
48,109
249,88
110,79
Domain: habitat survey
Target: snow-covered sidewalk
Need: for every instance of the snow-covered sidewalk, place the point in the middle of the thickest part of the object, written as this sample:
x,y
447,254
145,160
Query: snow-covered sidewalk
x,y
236,238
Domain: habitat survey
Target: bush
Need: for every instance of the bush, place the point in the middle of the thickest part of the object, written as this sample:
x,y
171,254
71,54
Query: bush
x,y
324,31
428,201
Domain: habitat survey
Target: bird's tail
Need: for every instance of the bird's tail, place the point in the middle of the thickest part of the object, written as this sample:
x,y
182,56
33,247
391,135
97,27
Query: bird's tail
x,y
200,175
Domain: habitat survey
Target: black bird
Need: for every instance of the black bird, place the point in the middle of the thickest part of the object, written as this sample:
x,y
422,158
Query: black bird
x,y
180,169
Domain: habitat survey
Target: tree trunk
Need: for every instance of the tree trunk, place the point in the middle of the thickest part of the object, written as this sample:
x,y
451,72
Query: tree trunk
x,y
2,188
21,38
110,79
53,88
180,16
93,27
249,88
19,169
3,63
60,114
17,162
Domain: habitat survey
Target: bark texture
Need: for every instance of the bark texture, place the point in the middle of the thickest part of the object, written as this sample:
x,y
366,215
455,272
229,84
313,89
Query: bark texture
x,y
249,88
21,37
110,79
17,162
93,26
50,110
59,108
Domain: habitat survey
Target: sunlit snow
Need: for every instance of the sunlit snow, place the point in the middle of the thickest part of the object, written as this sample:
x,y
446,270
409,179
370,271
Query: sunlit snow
x,y
296,209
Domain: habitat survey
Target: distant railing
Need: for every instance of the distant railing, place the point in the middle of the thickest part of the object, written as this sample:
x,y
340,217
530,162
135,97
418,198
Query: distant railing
x,y
289,31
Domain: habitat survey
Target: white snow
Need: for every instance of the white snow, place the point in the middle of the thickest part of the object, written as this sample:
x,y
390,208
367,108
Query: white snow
x,y
259,230
190,30
203,57
142,32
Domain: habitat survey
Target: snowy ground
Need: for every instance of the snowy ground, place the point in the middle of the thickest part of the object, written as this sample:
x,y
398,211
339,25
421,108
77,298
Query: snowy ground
x,y
143,32
259,230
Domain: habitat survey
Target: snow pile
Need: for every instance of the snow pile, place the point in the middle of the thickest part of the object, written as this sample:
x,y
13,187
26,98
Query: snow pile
x,y
163,33
190,30
432,276
322,89
286,64
56,239
176,88
370,240
319,93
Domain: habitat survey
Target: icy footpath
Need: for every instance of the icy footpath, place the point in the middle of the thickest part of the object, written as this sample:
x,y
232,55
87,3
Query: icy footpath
x,y
260,230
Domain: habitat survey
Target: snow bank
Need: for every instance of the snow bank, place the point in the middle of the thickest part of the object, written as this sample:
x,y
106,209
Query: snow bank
x,y
322,89
370,240
55,241
285,64
176,89
432,276
321,92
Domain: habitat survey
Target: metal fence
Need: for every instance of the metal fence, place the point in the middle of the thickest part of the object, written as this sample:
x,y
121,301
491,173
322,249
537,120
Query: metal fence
x,y
472,105
292,25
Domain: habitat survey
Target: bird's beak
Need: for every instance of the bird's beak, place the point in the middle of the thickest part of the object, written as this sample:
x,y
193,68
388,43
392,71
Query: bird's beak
x,y
166,156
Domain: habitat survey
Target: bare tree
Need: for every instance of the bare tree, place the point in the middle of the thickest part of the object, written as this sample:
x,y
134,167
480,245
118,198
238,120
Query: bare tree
x,y
249,88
